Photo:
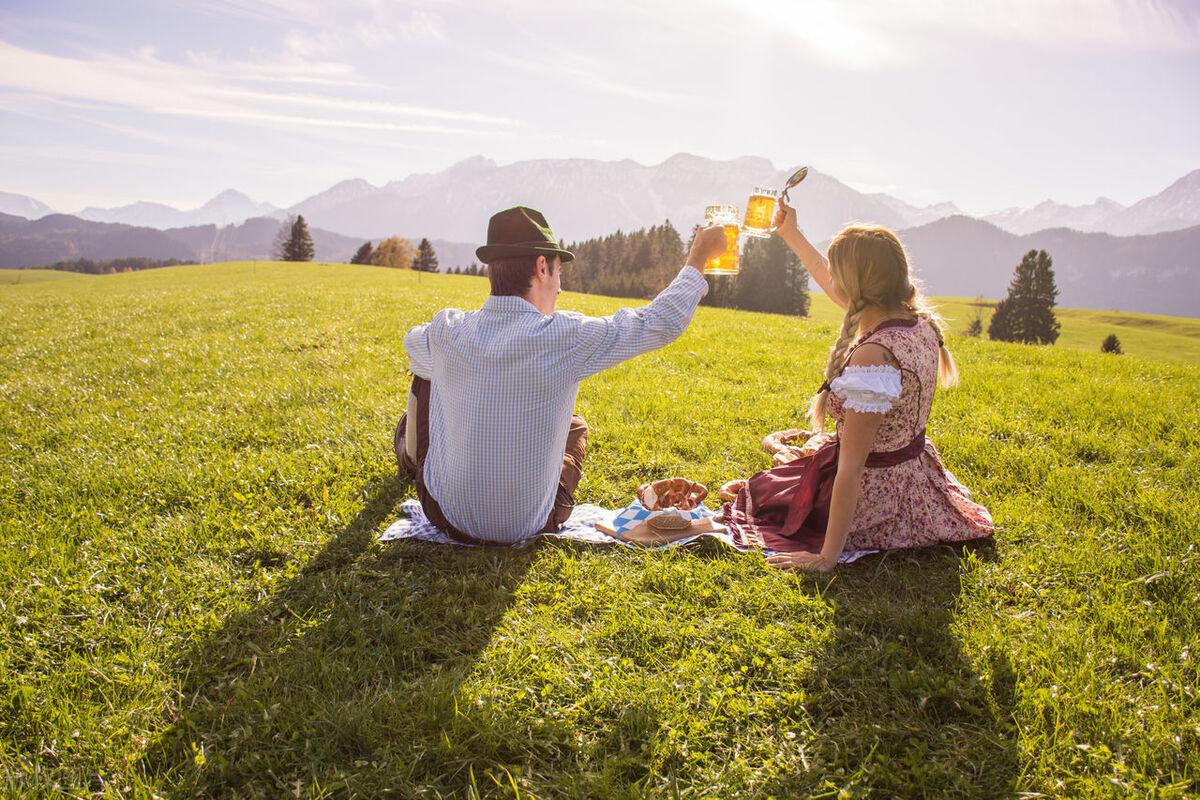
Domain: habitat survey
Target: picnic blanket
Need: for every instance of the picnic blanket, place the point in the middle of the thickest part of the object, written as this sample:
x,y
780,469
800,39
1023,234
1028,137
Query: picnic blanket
x,y
579,527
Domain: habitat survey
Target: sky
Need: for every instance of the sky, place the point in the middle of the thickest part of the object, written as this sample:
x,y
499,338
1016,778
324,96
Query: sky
x,y
987,103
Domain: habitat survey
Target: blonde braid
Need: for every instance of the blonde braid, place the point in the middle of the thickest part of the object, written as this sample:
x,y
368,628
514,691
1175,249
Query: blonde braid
x,y
919,305
837,358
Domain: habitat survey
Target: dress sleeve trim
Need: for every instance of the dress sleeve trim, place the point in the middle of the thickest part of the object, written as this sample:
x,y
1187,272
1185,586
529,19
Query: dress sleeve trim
x,y
872,389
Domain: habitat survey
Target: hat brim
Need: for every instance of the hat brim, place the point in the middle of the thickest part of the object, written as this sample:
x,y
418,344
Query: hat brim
x,y
493,251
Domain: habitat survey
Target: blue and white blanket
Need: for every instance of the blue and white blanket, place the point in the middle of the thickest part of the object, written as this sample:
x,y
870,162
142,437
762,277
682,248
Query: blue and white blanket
x,y
579,527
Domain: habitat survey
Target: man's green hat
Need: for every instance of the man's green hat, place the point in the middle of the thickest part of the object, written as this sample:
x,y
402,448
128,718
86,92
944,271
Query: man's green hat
x,y
520,231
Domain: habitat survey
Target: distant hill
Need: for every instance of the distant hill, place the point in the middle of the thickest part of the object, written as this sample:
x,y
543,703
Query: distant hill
x,y
1156,274
60,237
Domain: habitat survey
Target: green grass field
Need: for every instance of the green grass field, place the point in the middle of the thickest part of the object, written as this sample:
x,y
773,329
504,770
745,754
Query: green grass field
x,y
20,276
197,460
1174,339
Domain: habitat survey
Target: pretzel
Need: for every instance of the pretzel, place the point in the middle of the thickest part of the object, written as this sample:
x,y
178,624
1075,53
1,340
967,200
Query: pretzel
x,y
729,491
779,441
667,493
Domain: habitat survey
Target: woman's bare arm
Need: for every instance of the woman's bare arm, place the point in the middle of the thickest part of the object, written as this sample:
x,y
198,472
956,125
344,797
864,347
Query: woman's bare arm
x,y
816,264
856,435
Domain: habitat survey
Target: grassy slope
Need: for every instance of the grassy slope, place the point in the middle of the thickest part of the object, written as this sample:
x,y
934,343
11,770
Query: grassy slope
x,y
1146,335
19,276
192,600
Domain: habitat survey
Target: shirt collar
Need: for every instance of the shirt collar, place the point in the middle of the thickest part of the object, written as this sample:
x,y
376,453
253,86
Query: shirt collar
x,y
509,304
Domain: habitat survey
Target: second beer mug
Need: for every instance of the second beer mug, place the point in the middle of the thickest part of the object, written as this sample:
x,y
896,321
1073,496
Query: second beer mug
x,y
760,211
727,218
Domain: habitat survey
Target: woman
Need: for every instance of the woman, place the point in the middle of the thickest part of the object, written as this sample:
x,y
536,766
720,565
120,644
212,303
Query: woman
x,y
878,482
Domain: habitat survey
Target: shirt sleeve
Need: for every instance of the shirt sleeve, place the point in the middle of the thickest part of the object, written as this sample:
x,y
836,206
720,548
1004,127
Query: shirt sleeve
x,y
420,356
603,342
870,389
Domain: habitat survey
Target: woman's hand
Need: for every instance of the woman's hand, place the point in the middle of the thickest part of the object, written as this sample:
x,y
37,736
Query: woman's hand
x,y
785,217
812,259
802,562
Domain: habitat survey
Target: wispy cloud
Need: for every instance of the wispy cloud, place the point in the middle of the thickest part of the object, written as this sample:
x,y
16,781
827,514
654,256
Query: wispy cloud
x,y
372,107
318,29
148,84
88,155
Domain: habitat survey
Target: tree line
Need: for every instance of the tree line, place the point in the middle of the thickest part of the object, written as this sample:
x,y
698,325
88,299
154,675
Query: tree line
x,y
294,243
398,253
110,266
642,263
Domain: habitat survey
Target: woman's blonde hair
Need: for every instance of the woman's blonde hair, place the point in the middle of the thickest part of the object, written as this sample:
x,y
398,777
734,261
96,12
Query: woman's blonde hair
x,y
869,266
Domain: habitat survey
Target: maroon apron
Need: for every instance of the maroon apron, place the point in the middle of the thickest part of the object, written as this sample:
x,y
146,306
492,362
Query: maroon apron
x,y
786,508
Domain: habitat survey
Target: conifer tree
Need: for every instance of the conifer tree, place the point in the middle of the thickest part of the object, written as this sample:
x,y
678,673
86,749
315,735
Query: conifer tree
x,y
771,279
283,236
426,260
1111,344
299,246
362,255
1027,313
975,329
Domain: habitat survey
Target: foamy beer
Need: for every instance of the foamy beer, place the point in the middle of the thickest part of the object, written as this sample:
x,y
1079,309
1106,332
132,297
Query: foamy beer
x,y
727,218
760,211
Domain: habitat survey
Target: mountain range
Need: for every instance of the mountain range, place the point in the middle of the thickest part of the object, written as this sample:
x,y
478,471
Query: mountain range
x,y
1143,257
957,255
586,197
226,208
1155,273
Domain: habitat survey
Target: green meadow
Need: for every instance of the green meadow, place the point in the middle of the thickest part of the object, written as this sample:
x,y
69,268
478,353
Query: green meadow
x,y
196,462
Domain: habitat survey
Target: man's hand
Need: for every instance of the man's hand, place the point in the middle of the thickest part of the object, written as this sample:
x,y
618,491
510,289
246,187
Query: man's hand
x,y
802,562
785,217
708,244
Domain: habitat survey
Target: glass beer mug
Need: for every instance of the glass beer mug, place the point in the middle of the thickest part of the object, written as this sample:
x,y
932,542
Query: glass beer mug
x,y
760,211
727,218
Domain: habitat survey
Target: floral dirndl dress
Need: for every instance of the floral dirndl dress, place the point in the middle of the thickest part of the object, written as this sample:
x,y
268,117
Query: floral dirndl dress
x,y
907,497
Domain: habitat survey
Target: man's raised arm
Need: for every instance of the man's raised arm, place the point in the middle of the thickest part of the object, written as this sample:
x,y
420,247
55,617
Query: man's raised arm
x,y
604,342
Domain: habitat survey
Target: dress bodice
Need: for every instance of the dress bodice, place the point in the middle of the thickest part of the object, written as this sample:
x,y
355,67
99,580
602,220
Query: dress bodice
x,y
914,345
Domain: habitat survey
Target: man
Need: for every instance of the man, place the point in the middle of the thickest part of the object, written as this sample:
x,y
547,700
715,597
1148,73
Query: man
x,y
489,436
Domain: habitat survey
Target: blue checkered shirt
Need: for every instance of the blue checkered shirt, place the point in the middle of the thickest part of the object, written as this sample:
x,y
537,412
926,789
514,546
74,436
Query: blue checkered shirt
x,y
503,385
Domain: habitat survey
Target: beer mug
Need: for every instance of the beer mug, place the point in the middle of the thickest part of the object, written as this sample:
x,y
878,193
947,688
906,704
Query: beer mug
x,y
727,218
760,211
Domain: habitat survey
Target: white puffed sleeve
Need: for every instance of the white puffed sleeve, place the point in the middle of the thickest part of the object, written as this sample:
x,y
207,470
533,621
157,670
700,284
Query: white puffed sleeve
x,y
871,389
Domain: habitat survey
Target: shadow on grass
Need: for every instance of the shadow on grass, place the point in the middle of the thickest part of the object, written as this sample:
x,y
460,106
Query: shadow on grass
x,y
344,669
899,709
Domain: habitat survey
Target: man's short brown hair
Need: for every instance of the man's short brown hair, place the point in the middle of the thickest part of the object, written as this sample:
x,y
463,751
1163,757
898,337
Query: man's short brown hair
x,y
513,275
